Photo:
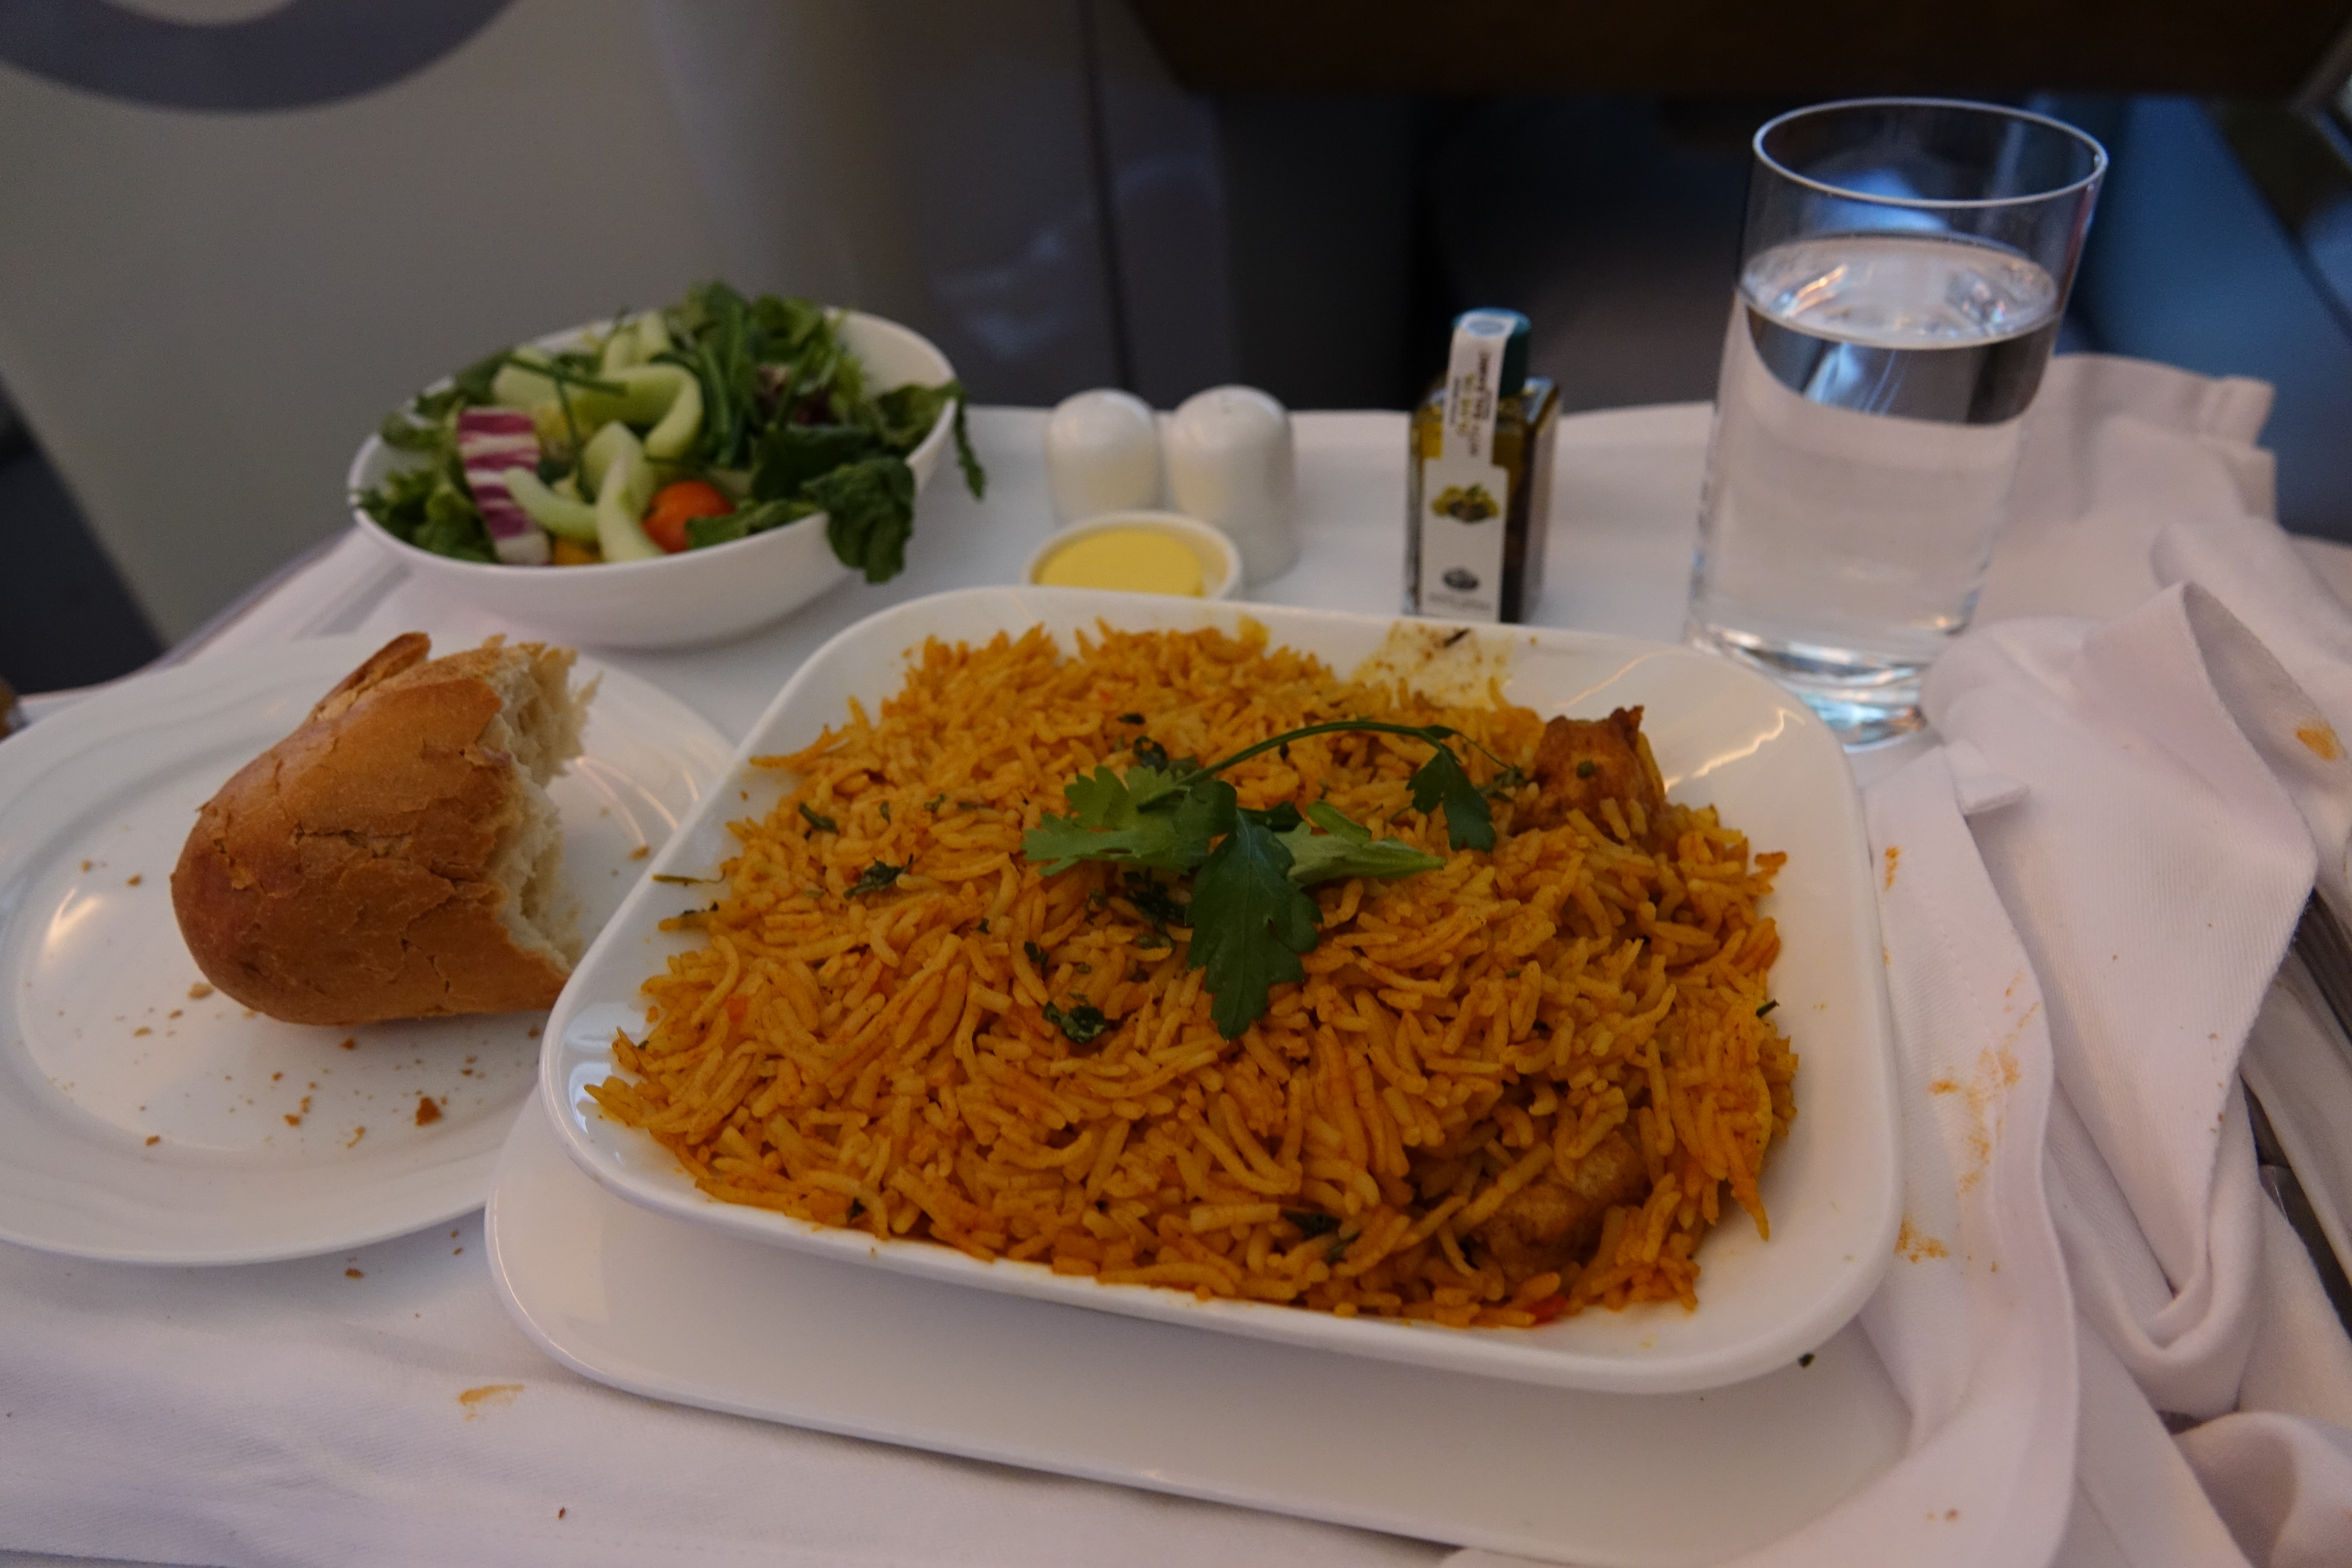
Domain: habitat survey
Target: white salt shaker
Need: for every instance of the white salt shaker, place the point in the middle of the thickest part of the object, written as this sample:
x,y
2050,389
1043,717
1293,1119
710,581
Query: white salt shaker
x,y
1102,454
1230,463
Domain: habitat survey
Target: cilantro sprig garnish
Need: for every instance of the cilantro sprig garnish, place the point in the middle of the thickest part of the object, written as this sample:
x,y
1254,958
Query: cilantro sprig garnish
x,y
1251,919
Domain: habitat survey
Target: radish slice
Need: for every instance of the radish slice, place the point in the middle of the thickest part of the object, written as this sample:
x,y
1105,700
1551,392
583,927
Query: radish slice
x,y
489,442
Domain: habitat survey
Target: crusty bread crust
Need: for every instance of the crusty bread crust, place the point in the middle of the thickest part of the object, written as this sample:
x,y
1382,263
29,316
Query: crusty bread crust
x,y
341,876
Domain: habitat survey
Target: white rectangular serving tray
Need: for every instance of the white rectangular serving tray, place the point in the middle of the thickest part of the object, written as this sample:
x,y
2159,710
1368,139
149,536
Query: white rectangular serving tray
x,y
1722,736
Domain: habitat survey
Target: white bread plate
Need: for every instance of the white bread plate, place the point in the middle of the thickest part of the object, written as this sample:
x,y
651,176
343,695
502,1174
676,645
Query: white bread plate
x,y
147,1118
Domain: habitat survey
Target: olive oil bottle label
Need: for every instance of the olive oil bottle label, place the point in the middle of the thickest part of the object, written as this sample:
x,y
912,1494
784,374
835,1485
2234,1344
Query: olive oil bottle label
x,y
1465,494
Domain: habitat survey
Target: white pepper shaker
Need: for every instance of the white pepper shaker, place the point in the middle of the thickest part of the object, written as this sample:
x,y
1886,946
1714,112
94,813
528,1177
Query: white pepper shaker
x,y
1230,463
1102,454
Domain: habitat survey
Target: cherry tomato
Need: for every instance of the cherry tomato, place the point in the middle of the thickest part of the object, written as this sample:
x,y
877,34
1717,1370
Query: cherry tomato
x,y
673,504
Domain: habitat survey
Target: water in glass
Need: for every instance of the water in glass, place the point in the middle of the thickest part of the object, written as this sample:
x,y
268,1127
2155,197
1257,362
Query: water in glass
x,y
1867,427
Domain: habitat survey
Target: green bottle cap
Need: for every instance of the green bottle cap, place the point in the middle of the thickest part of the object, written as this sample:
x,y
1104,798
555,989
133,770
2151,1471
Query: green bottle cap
x,y
1494,323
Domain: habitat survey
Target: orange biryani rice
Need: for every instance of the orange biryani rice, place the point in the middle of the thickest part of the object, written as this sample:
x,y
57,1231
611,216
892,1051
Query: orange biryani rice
x,y
1508,1089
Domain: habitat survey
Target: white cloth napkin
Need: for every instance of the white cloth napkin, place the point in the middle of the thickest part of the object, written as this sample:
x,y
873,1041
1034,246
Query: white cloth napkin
x,y
2116,451
1973,1320
2183,789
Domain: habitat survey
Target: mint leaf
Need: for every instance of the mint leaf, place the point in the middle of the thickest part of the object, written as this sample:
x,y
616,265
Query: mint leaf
x,y
1441,781
1348,849
1250,921
875,878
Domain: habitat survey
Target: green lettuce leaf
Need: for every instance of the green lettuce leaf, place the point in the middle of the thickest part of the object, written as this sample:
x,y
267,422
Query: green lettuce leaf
x,y
701,533
869,509
787,327
429,506
791,456
901,417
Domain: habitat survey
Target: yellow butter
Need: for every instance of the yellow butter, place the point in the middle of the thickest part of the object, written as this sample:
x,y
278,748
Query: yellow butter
x,y
1137,559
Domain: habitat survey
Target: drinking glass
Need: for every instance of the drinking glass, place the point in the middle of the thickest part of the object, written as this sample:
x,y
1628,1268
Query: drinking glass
x,y
1902,271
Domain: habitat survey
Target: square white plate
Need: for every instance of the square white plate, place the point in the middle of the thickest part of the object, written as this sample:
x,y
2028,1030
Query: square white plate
x,y
1722,736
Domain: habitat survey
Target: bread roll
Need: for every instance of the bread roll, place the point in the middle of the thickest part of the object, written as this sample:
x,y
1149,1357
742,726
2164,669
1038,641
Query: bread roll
x,y
397,856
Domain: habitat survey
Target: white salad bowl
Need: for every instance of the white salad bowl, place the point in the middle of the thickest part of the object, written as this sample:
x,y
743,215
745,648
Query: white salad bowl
x,y
697,597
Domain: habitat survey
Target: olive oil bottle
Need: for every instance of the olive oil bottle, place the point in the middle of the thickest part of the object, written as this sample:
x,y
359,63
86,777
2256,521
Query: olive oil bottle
x,y
1478,485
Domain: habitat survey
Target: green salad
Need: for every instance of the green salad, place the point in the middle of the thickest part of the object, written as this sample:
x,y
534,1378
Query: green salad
x,y
673,430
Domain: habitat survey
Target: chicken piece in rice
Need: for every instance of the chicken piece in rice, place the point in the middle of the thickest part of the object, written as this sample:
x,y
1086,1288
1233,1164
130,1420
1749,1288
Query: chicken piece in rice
x,y
1582,762
1553,1223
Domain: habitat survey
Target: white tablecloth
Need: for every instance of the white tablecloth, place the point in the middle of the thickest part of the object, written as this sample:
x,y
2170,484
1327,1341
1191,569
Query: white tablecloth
x,y
417,1316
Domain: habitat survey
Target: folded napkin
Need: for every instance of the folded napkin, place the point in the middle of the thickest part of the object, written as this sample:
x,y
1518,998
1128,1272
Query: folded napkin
x,y
2116,451
2183,789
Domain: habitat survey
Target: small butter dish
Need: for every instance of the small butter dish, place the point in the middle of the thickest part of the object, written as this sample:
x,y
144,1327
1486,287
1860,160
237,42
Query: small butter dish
x,y
1132,551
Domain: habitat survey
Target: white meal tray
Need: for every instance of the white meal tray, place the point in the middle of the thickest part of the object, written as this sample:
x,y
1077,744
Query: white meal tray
x,y
1721,735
